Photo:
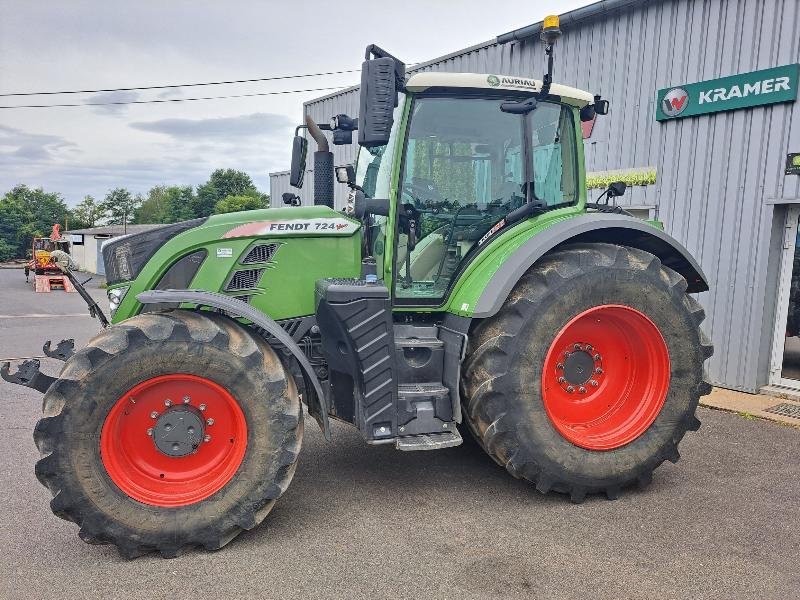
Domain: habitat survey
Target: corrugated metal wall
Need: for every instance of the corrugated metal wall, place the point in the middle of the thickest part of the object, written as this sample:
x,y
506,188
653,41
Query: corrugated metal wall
x,y
715,172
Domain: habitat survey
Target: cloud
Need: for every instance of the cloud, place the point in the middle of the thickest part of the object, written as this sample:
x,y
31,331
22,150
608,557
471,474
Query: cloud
x,y
108,97
17,145
252,125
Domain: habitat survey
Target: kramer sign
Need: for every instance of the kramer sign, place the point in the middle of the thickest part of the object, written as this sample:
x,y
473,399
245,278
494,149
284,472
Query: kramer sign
x,y
767,86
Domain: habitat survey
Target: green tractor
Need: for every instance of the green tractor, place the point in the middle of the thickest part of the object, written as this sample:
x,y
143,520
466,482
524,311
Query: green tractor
x,y
469,285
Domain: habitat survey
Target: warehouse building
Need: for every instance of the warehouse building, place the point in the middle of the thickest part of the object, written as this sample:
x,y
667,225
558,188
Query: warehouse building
x,y
705,124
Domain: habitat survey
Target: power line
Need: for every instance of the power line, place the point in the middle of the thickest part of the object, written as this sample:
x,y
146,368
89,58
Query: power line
x,y
178,85
322,89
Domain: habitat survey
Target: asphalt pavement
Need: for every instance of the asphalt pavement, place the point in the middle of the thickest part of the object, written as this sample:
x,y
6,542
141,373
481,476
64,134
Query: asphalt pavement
x,y
373,522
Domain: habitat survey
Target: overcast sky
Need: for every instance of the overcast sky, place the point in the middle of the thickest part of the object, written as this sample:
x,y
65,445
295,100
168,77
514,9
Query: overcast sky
x,y
71,45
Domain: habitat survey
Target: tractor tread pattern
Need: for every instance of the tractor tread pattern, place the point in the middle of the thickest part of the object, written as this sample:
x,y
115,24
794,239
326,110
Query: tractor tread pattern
x,y
69,501
491,350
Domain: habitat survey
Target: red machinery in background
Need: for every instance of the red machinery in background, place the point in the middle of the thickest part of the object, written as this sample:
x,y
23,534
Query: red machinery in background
x,y
46,275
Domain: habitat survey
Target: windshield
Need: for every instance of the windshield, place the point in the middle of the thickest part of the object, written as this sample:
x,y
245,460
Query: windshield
x,y
466,165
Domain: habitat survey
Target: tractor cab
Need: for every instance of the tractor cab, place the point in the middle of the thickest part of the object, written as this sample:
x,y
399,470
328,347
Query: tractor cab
x,y
472,149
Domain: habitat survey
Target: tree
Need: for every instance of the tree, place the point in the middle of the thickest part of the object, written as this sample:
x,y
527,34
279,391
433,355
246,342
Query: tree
x,y
166,204
87,214
26,213
237,203
120,205
221,184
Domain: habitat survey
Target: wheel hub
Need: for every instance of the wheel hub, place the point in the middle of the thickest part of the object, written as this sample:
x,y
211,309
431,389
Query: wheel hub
x,y
179,431
578,367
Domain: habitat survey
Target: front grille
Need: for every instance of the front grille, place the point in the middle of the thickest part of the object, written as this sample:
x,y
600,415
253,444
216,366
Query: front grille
x,y
244,280
260,254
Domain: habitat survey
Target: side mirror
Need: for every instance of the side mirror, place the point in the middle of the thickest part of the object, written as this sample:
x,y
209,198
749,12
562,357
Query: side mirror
x,y
381,77
299,152
617,189
346,174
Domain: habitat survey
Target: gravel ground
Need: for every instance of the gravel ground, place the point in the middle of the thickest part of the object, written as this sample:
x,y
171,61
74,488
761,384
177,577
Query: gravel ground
x,y
362,521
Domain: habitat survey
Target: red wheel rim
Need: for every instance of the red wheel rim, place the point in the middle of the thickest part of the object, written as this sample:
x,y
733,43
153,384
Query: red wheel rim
x,y
605,377
142,471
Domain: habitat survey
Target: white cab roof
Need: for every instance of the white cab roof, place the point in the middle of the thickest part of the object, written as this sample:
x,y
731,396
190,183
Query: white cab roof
x,y
422,81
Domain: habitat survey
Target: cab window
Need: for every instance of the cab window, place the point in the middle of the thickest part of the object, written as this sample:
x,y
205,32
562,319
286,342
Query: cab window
x,y
466,165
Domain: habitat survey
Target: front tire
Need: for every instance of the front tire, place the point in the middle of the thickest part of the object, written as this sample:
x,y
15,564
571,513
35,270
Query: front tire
x,y
590,374
169,431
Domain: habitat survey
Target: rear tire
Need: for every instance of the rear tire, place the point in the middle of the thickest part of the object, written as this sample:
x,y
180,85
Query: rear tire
x,y
102,479
611,430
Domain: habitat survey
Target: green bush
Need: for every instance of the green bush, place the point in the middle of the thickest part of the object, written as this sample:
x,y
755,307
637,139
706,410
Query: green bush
x,y
629,176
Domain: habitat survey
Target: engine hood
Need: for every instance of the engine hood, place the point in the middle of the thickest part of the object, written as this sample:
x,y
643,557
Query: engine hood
x,y
269,258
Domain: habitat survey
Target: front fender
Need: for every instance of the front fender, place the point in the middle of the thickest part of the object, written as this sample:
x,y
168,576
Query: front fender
x,y
588,227
238,308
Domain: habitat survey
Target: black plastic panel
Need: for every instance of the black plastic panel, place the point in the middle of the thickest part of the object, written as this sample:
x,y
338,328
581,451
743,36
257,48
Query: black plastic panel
x,y
124,257
355,321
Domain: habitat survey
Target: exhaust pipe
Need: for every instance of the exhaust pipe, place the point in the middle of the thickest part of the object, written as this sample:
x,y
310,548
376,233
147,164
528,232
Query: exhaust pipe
x,y
323,166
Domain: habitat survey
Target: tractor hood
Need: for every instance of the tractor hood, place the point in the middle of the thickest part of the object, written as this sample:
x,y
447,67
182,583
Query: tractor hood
x,y
269,258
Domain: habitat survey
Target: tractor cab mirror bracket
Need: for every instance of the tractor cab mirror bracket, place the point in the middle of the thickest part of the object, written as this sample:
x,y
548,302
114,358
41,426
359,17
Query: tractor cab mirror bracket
x,y
343,127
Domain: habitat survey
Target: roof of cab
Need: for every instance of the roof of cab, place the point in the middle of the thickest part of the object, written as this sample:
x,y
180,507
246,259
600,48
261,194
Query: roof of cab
x,y
420,82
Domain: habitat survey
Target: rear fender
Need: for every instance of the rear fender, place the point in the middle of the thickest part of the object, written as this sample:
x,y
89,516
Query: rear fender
x,y
592,228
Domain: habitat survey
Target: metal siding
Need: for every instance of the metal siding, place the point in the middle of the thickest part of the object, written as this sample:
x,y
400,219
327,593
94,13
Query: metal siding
x,y
715,172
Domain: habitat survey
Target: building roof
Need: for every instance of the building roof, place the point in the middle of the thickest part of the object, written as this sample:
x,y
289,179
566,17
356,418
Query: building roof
x,y
422,81
115,229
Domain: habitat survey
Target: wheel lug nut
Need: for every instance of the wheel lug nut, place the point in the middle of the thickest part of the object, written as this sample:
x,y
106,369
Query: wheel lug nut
x,y
154,415
209,421
599,371
206,438
202,407
582,390
167,402
577,346
560,367
593,383
597,357
150,431
570,389
561,380
589,347
186,399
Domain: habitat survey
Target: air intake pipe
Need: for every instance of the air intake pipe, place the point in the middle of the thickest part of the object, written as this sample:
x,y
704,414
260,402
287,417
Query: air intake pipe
x,y
323,166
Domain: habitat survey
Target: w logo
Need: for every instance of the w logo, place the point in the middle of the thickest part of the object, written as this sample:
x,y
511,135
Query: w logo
x,y
675,102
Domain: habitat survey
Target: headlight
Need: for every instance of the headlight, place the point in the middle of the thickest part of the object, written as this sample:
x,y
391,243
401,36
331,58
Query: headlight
x,y
115,297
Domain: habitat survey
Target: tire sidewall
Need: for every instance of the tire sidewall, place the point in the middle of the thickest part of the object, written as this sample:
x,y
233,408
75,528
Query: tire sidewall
x,y
263,398
645,290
